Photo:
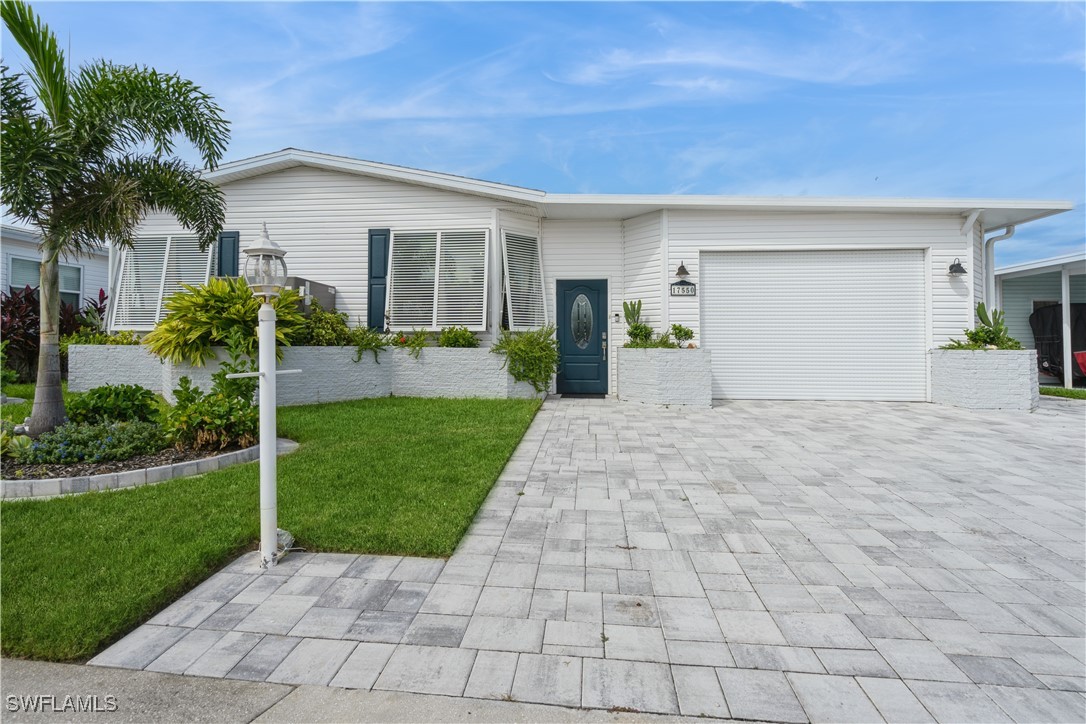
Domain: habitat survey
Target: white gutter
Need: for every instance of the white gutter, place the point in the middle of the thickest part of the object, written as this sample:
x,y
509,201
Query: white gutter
x,y
989,264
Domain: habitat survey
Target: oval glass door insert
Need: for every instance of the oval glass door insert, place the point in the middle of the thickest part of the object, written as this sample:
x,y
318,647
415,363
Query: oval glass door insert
x,y
581,321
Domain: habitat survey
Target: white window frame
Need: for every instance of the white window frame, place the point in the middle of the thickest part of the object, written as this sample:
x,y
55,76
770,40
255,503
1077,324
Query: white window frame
x,y
37,262
506,288
435,325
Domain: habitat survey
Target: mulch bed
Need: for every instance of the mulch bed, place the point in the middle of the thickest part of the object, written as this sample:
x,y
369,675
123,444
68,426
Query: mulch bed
x,y
11,470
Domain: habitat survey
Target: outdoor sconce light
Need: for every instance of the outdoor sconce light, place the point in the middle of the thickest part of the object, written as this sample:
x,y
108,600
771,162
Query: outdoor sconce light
x,y
956,269
265,268
681,272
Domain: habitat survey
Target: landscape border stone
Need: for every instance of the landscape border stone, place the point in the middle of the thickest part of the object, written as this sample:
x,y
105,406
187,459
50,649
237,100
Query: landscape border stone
x,y
53,487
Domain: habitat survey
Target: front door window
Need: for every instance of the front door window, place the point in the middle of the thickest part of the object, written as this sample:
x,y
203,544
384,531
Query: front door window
x,y
581,321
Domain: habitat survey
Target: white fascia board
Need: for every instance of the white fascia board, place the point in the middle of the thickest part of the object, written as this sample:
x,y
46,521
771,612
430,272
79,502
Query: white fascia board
x,y
289,158
1074,263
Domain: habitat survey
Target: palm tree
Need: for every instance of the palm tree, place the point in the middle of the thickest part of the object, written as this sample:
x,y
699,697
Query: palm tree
x,y
85,157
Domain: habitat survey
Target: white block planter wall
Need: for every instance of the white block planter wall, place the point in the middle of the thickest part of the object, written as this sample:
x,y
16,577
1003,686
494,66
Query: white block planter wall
x,y
985,379
453,372
328,374
665,376
91,366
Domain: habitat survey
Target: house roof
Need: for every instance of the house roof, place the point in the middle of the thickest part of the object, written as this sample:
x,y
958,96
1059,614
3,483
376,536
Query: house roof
x,y
31,236
994,213
1075,263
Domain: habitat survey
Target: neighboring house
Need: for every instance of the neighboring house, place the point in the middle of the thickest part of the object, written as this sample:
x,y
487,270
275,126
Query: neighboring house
x,y
20,265
796,298
1022,289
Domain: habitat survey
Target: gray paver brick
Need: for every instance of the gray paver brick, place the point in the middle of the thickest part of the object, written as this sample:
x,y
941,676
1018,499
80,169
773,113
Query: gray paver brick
x,y
313,661
749,627
141,647
548,679
636,643
760,695
855,662
181,655
691,619
427,670
698,692
435,629
363,666
380,626
951,702
263,658
833,698
821,630
776,658
224,654
992,670
918,660
277,615
628,684
492,675
504,634
1038,705
894,700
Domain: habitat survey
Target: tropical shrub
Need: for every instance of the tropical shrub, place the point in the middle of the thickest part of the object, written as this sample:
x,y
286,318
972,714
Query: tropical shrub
x,y
20,320
682,334
531,357
324,328
365,340
457,337
77,443
113,403
8,376
640,335
413,341
202,317
991,333
89,335
661,341
224,416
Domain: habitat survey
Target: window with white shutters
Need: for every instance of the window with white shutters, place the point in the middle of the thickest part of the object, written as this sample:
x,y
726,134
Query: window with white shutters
x,y
438,279
523,281
27,273
152,270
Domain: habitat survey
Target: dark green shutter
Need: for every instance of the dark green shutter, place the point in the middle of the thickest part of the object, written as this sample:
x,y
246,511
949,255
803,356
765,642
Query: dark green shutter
x,y
378,246
229,241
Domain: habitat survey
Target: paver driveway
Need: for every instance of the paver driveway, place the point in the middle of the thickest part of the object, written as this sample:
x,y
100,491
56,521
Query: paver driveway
x,y
784,561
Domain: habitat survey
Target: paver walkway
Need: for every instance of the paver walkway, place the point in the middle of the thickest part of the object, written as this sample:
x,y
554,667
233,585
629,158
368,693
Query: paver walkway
x,y
782,561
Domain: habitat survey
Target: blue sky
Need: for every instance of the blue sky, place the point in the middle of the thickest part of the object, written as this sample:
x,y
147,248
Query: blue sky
x,y
887,99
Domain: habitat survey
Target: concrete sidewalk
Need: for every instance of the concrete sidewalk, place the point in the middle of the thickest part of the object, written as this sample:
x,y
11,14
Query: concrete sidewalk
x,y
144,696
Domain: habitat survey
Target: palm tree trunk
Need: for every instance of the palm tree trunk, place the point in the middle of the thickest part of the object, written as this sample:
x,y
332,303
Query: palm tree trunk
x,y
48,410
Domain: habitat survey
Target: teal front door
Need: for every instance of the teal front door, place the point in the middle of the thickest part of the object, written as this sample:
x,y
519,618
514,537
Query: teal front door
x,y
582,336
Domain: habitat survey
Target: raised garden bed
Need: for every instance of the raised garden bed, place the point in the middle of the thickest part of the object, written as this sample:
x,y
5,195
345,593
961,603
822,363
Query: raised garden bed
x,y
329,374
665,376
988,379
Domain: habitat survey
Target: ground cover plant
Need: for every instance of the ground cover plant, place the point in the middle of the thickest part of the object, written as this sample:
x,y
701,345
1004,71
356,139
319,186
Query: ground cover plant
x,y
387,475
1076,393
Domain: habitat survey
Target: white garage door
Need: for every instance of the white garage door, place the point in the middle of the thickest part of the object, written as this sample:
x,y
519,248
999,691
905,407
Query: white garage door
x,y
815,325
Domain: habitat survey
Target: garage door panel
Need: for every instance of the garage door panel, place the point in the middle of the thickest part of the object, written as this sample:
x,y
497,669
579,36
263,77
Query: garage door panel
x,y
847,325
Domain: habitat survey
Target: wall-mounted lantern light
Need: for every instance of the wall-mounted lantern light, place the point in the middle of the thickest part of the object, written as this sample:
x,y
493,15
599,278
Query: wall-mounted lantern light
x,y
681,272
956,269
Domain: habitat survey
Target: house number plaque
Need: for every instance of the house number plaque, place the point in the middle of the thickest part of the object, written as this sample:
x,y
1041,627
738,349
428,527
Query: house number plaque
x,y
683,288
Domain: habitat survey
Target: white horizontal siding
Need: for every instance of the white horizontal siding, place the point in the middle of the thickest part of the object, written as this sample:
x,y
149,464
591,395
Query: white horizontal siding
x,y
585,250
691,232
322,220
643,268
1019,295
94,266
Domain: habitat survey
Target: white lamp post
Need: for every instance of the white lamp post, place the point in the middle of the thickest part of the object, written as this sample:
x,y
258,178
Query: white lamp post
x,y
266,273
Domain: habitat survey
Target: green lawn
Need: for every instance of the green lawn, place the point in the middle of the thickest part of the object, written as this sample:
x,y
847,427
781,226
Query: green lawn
x,y
388,475
1077,393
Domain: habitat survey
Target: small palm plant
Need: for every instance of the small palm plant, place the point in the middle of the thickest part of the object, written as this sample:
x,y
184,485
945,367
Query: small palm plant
x,y
86,155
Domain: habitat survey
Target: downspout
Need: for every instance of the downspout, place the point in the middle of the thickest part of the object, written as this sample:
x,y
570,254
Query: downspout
x,y
989,264
109,285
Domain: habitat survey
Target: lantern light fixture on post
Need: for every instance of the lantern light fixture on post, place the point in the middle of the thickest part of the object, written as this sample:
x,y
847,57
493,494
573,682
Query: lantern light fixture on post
x,y
266,273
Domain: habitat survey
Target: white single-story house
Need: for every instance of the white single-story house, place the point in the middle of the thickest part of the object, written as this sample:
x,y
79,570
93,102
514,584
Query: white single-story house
x,y
795,298
20,266
1022,289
